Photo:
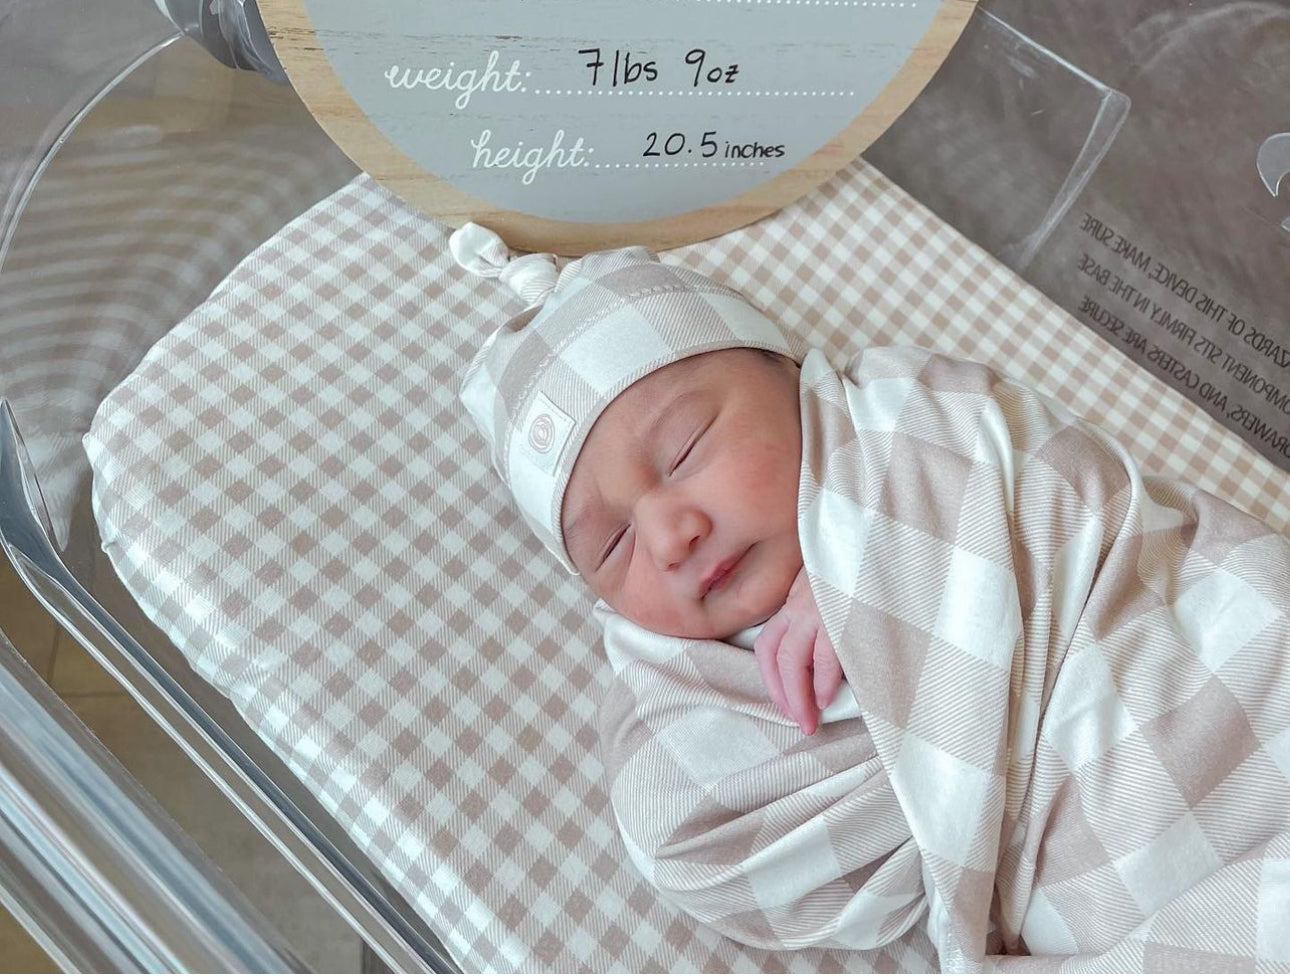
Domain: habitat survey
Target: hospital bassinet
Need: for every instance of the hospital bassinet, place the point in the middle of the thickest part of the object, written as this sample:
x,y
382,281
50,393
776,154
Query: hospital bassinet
x,y
138,173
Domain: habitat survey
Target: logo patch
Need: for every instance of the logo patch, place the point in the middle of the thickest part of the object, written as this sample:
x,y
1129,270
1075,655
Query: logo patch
x,y
545,432
542,433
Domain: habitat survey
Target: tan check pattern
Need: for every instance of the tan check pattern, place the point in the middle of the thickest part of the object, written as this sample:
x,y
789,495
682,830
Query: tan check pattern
x,y
93,277
1076,731
291,489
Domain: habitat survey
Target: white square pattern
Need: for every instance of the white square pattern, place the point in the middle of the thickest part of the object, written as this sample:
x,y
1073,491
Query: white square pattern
x,y
714,743
1274,911
1219,615
877,406
794,865
1044,930
932,777
980,613
1169,865
619,344
1086,715
832,514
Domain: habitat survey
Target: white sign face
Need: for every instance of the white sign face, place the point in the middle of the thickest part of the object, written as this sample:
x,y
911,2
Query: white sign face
x,y
610,111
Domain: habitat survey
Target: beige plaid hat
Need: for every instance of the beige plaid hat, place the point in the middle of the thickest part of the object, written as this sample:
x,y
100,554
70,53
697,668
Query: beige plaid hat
x,y
606,320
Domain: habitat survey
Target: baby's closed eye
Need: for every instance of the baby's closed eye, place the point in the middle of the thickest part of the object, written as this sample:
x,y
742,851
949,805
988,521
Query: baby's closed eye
x,y
615,539
688,445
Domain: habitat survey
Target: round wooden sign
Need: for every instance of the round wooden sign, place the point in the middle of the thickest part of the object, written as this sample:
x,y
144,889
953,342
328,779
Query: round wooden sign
x,y
573,125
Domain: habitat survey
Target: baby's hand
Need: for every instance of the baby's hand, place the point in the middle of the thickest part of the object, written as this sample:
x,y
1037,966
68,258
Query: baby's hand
x,y
797,661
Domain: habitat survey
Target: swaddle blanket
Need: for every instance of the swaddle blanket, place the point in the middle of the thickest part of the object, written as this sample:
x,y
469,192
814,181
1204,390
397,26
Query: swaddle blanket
x,y
1073,728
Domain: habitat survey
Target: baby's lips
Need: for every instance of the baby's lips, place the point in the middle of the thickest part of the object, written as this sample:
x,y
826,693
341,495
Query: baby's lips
x,y
720,572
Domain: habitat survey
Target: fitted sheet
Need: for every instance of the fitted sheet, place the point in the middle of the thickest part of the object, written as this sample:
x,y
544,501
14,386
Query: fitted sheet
x,y
288,486
92,280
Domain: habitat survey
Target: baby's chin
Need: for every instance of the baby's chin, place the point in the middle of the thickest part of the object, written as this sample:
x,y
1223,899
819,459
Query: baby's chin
x,y
725,623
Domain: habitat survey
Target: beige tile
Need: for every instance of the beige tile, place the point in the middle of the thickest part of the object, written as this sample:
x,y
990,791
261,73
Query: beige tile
x,y
25,621
75,672
18,951
310,926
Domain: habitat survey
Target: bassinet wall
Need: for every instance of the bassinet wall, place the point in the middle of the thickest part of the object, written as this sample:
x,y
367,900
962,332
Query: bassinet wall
x,y
91,278
290,490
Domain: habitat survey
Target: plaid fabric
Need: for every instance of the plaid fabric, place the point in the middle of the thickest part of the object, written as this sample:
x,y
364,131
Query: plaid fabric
x,y
539,382
91,281
1075,747
771,838
290,488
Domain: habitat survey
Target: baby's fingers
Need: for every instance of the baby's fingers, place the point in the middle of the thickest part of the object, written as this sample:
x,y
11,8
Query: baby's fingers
x,y
828,672
794,658
765,647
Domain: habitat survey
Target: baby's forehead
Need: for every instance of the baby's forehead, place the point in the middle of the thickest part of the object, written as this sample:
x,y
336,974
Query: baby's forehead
x,y
635,426
655,415
670,380
639,415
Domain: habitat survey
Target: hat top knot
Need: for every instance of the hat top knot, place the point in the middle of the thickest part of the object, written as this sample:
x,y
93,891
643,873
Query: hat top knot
x,y
482,251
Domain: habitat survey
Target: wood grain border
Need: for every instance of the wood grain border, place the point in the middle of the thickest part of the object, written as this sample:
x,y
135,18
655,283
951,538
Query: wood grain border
x,y
317,84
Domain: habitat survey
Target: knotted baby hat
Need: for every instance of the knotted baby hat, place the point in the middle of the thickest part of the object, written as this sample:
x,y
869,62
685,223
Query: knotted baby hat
x,y
540,381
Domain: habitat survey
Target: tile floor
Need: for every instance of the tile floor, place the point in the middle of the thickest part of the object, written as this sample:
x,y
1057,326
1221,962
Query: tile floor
x,y
317,934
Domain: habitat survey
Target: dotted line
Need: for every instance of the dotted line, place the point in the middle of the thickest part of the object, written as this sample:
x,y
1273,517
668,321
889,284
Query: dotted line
x,y
708,163
822,3
579,91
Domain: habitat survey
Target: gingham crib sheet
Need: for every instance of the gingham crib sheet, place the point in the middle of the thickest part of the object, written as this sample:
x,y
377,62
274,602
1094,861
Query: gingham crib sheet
x,y
290,489
92,281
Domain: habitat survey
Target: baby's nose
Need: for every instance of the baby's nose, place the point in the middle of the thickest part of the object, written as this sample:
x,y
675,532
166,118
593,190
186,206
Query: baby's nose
x,y
673,532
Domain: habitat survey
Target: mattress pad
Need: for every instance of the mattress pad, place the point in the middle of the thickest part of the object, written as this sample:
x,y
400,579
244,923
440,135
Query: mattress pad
x,y
291,490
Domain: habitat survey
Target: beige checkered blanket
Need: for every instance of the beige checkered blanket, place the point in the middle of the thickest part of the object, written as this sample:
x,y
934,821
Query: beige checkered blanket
x,y
1072,740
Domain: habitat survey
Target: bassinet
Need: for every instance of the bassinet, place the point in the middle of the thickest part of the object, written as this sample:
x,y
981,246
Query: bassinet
x,y
208,178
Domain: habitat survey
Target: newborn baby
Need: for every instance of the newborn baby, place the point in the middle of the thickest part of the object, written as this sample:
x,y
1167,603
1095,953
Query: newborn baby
x,y
681,513
680,507
1066,729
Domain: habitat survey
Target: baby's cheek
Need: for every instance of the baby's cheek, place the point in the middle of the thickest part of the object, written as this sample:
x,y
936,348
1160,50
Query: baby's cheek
x,y
772,454
776,478
642,600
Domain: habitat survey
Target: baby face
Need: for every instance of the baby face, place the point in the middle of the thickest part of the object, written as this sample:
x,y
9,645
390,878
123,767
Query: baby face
x,y
681,510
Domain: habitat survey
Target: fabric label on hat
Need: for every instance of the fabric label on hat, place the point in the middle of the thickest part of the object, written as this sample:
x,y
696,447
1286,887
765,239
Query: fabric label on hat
x,y
544,434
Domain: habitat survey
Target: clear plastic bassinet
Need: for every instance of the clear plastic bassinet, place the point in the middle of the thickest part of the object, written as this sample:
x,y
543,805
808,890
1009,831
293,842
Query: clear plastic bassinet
x,y
135,171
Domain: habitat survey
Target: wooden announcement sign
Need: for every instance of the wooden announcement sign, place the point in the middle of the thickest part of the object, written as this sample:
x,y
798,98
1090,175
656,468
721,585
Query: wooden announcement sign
x,y
571,125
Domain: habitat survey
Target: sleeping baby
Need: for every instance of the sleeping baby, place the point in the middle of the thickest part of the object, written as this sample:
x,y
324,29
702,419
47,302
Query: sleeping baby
x,y
1058,717
679,508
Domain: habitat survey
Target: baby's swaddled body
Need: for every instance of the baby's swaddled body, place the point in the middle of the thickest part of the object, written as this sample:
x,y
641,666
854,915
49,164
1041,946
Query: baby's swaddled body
x,y
1065,729
1070,729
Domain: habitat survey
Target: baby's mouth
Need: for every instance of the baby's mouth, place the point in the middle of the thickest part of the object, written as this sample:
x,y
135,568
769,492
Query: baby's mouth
x,y
718,577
